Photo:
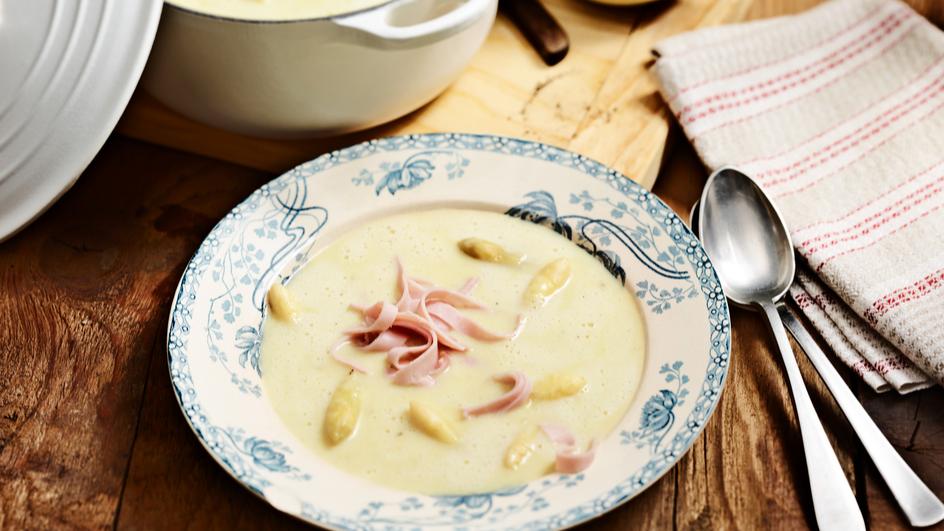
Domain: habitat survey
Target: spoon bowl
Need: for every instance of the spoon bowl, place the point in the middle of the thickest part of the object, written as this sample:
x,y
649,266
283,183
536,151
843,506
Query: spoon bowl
x,y
746,239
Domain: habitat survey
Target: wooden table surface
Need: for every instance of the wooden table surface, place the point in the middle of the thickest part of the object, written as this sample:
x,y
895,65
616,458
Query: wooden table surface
x,y
91,435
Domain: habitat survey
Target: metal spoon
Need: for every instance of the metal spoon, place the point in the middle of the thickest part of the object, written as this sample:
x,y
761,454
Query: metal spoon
x,y
751,250
917,501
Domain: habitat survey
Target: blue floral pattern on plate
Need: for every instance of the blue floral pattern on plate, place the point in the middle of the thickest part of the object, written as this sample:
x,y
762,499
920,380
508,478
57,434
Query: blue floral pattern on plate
x,y
416,169
215,327
596,234
658,414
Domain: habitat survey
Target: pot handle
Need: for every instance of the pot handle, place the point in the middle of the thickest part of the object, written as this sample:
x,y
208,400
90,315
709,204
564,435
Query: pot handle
x,y
376,26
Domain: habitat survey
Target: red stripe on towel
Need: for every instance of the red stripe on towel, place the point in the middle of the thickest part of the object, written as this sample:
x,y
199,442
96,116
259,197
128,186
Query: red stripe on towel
x,y
821,44
873,242
876,129
871,150
808,249
828,147
858,208
688,118
883,28
904,295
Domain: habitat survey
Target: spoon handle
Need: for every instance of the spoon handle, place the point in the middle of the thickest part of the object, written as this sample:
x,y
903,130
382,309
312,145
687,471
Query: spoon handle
x,y
916,500
833,501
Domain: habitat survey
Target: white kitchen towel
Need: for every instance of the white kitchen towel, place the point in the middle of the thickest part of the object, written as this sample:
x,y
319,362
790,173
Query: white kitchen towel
x,y
870,355
838,113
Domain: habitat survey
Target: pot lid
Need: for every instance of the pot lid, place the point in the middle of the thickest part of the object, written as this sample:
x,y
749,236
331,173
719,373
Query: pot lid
x,y
69,68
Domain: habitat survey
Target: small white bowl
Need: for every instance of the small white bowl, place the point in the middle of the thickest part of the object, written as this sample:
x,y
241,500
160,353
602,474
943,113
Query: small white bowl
x,y
316,76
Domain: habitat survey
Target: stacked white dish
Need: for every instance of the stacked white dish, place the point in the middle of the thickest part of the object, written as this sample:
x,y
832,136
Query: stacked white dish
x,y
69,68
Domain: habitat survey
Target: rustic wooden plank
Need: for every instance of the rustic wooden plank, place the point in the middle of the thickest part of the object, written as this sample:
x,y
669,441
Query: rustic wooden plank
x,y
915,426
173,483
774,8
933,9
81,294
620,129
147,119
652,509
167,202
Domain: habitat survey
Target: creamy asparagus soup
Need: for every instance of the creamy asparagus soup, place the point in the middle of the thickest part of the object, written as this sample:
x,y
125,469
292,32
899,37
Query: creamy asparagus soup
x,y
276,9
452,351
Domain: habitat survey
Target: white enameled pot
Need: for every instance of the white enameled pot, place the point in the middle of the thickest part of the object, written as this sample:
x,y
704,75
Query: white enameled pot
x,y
316,76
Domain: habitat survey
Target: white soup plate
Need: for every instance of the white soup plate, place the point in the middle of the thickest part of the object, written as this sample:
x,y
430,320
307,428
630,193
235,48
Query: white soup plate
x,y
218,310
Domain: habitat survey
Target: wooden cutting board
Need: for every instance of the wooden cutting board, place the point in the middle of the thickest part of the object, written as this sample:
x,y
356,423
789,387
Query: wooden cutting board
x,y
600,101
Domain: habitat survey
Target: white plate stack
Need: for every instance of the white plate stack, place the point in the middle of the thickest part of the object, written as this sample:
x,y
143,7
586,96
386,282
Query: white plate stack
x,y
69,68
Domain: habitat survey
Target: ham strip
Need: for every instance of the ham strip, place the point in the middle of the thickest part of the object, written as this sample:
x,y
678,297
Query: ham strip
x,y
559,435
572,462
455,298
385,341
447,314
334,354
419,370
415,331
568,460
469,286
380,317
445,339
401,356
518,395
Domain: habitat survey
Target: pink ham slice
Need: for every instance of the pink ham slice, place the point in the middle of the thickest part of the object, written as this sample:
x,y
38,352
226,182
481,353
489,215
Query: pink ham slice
x,y
415,332
517,396
568,460
469,286
572,462
420,369
447,314
386,340
339,359
379,317
559,435
454,298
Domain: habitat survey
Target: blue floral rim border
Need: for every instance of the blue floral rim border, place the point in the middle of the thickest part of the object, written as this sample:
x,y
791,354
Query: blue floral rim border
x,y
716,303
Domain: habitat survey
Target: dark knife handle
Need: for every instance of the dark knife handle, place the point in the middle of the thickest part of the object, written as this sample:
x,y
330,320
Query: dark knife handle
x,y
546,36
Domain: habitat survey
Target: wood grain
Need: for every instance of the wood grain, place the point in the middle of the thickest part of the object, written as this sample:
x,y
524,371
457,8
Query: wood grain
x,y
172,481
914,426
83,292
932,9
600,100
